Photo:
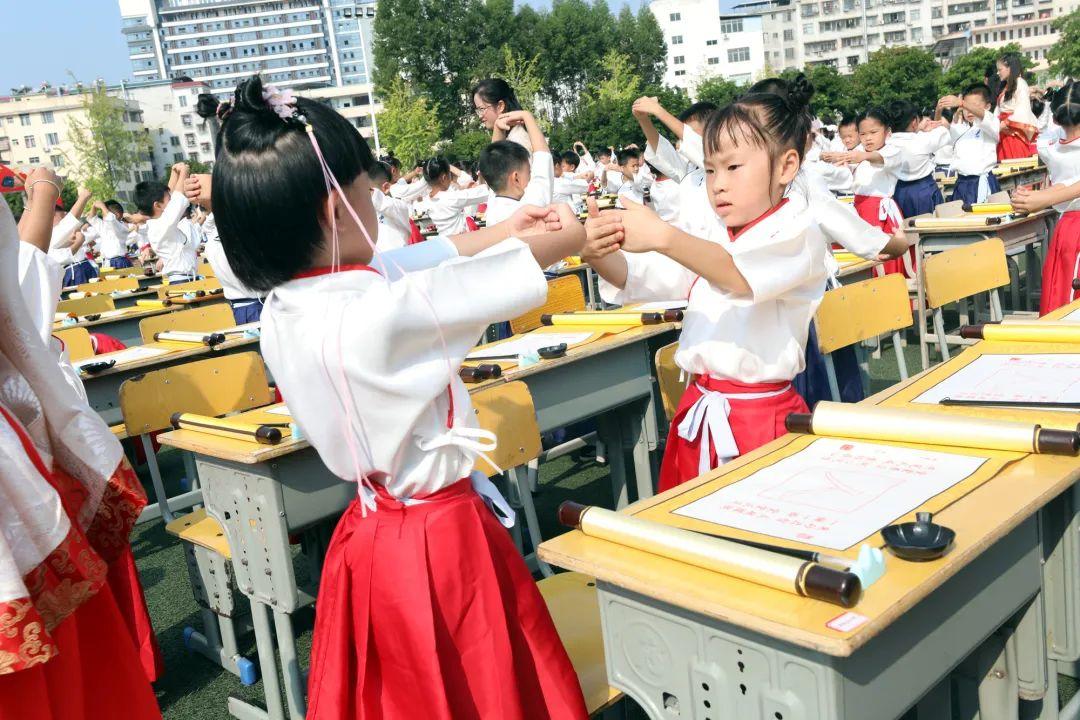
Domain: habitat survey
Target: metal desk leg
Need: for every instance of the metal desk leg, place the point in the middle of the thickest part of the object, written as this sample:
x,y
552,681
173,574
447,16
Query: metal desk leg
x,y
295,687
264,641
637,419
609,429
920,301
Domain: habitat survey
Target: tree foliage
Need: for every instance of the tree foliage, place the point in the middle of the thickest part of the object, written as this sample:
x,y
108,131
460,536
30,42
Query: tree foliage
x,y
1064,56
972,67
408,123
718,90
896,73
107,151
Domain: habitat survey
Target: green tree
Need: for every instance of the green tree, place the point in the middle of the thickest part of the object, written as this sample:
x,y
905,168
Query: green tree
x,y
832,95
467,144
1064,56
896,73
106,150
408,123
196,167
718,90
576,38
641,39
971,67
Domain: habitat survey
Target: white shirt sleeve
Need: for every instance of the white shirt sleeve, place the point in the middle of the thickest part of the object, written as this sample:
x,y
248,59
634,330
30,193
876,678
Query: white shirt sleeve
x,y
165,225
649,276
957,130
934,140
991,125
892,157
667,159
776,265
393,264
541,180
61,233
840,225
461,199
409,191
40,279
692,146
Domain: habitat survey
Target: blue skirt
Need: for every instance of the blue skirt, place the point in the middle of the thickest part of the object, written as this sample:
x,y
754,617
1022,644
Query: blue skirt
x,y
120,262
967,188
813,382
246,310
917,197
79,273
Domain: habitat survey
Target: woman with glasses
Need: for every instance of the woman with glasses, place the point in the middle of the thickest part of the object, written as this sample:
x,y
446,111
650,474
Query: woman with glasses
x,y
494,97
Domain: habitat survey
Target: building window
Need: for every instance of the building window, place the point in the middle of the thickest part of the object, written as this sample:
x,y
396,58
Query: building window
x,y
915,14
204,147
34,160
183,101
789,35
189,140
738,54
675,17
24,119
680,73
679,59
808,29
789,53
57,161
710,42
47,117
29,141
676,39
186,120
52,139
714,61
175,141
731,26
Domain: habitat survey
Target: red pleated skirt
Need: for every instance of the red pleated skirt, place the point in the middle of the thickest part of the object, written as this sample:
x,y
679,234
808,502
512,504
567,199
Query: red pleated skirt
x,y
1062,264
94,676
868,208
428,611
753,423
123,580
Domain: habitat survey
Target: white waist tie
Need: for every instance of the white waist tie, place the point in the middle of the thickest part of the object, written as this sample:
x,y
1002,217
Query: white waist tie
x,y
474,442
984,188
708,416
889,210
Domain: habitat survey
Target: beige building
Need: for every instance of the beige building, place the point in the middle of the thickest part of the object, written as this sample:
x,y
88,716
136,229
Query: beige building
x,y
35,130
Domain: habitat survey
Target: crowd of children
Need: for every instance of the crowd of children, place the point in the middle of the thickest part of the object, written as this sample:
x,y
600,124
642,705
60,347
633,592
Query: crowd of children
x,y
366,316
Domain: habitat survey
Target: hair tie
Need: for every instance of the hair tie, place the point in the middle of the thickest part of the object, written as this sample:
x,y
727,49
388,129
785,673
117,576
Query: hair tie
x,y
224,110
282,102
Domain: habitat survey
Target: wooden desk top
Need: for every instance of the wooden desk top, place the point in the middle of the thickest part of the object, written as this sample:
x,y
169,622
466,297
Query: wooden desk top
x,y
173,351
129,313
248,453
1062,311
219,297
987,230
858,266
979,518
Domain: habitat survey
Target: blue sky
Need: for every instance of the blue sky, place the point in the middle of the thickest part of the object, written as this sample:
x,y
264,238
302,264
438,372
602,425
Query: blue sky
x,y
45,39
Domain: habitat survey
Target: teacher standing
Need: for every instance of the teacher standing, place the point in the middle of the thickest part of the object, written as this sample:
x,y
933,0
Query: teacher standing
x,y
493,97
1018,123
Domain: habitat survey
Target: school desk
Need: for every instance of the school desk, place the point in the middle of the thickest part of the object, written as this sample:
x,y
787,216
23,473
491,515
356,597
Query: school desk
x,y
126,300
263,493
856,270
689,643
124,325
1021,236
103,388
1012,179
1063,311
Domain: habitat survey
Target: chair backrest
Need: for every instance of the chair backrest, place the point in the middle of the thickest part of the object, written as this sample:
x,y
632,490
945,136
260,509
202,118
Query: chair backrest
x,y
215,386
862,310
507,410
77,343
86,305
109,285
954,208
564,295
965,271
207,284
205,269
198,319
668,376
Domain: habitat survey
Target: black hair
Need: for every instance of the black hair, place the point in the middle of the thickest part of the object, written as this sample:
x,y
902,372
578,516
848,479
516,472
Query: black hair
x,y
901,114
392,161
571,158
494,90
114,205
379,172
778,120
947,114
874,113
268,185
149,192
770,86
59,209
1016,72
501,158
1066,105
627,154
208,106
604,151
980,89
1037,106
699,111
435,168
848,120
657,172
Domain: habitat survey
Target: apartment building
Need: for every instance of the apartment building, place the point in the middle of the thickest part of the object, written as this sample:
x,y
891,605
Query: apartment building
x,y
35,130
703,42
175,130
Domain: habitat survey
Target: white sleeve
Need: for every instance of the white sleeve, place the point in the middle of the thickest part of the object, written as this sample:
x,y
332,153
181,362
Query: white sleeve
x,y
461,199
692,147
667,159
892,156
991,125
409,191
934,140
395,212
566,185
411,258
778,264
587,163
649,276
61,233
957,129
843,226
541,180
40,279
164,225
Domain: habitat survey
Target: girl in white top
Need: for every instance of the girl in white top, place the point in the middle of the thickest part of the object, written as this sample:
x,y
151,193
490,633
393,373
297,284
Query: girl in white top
x,y
425,607
446,201
918,139
975,131
1019,126
752,289
1062,159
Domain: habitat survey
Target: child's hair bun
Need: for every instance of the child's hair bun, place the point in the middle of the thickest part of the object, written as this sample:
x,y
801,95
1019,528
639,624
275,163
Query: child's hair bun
x,y
800,90
249,97
1066,105
207,106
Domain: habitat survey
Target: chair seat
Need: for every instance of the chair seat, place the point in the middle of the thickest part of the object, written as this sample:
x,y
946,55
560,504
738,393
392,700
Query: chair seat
x,y
119,431
200,529
571,600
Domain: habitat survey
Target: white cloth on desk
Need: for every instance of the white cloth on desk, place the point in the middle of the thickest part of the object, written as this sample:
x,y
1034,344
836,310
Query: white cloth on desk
x,y
175,248
537,191
750,339
359,341
917,150
975,145
1062,160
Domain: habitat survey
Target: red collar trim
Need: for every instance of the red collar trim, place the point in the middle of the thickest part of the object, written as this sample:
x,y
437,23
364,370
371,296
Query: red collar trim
x,y
735,235
1066,142
315,272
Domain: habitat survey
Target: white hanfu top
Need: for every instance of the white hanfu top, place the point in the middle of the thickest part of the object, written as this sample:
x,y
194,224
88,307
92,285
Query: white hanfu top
x,y
1062,160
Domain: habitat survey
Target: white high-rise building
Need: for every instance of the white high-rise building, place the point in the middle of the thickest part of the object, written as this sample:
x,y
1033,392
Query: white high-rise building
x,y
175,131
702,42
293,43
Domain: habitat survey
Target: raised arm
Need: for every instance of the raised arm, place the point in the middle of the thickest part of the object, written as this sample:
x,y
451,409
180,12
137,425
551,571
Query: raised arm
x,y
42,189
551,233
643,108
